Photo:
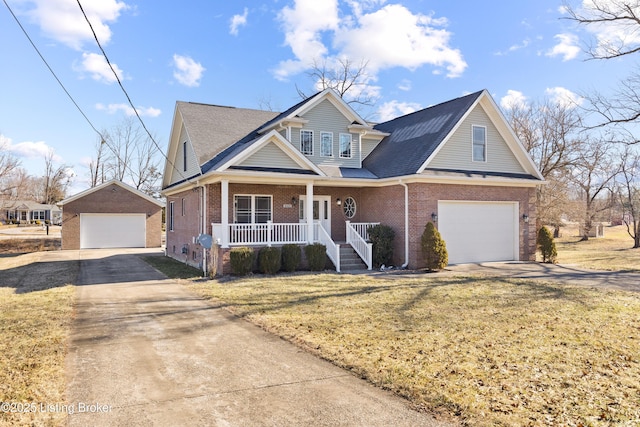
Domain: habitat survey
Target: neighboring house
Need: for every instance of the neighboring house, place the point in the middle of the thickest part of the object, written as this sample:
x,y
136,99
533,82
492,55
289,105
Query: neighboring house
x,y
111,215
28,212
254,178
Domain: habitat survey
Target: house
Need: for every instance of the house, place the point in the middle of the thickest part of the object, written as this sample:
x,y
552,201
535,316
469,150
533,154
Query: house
x,y
320,172
111,215
29,212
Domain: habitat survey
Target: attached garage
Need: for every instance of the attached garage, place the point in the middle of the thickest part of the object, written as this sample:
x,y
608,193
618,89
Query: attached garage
x,y
112,231
111,215
479,231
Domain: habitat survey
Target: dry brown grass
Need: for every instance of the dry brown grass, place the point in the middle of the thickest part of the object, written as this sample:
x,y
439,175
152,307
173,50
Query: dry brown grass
x,y
35,317
613,252
489,351
23,246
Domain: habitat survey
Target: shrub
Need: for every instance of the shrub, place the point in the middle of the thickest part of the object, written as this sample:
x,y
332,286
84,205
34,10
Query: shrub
x,y
547,246
269,260
316,256
382,238
434,249
291,256
241,260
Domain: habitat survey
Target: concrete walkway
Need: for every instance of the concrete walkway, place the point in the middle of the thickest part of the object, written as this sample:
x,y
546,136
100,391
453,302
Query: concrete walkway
x,y
144,351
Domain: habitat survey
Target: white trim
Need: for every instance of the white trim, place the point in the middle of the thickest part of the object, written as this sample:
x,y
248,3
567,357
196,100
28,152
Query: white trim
x,y
350,146
309,131
486,143
320,199
322,133
252,208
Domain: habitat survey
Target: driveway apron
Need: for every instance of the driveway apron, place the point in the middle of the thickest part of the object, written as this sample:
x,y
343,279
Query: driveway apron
x,y
145,351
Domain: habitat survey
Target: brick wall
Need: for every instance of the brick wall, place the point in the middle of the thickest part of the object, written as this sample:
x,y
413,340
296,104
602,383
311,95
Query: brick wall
x,y
186,226
111,199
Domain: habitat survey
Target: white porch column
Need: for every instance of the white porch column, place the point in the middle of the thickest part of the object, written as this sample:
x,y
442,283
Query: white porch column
x,y
224,211
309,212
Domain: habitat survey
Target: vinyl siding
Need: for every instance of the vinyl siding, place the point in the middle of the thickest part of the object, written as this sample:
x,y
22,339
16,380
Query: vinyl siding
x,y
326,118
270,156
193,168
368,145
457,152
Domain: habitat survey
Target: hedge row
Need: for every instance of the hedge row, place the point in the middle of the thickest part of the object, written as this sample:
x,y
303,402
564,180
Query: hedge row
x,y
272,259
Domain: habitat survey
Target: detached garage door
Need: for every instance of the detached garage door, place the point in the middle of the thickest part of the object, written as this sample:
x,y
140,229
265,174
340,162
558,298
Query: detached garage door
x,y
112,231
479,231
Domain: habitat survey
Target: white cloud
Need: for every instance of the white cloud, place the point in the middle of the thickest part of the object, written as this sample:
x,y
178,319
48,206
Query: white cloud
x,y
238,21
391,36
513,99
96,65
405,85
187,71
515,47
392,109
564,97
27,149
127,110
567,46
63,21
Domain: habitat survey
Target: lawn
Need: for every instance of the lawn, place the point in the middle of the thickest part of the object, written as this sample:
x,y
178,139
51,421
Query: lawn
x,y
488,351
36,310
612,252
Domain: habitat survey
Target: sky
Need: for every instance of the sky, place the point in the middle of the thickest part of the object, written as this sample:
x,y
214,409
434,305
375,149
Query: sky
x,y
255,54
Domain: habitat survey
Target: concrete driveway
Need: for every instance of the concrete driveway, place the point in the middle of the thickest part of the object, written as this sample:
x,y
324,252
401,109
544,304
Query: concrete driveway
x,y
567,274
144,351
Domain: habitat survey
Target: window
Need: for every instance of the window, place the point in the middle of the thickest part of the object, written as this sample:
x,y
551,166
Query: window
x,y
184,156
252,209
306,142
171,216
183,208
349,207
326,144
345,145
479,143
37,215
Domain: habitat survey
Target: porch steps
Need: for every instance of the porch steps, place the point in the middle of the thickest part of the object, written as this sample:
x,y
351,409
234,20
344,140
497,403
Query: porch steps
x,y
349,259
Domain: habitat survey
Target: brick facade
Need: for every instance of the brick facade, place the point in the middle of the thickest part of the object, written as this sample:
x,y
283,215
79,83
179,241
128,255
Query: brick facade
x,y
112,199
373,204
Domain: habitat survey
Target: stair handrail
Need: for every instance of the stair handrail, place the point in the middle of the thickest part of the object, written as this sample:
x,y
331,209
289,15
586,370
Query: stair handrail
x,y
363,248
333,248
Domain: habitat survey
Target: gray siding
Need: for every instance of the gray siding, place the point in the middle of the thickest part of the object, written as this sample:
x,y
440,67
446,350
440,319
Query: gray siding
x,y
193,167
326,118
368,145
270,156
457,152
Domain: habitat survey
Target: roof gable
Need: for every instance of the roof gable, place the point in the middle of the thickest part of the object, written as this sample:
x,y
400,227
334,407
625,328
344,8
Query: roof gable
x,y
415,137
105,185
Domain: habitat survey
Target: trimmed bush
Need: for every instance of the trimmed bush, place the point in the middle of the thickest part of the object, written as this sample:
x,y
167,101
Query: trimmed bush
x,y
269,260
547,246
382,238
434,249
241,260
291,257
316,256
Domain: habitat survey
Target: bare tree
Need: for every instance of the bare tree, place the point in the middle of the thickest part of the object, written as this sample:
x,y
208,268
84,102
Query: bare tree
x,y
97,164
629,194
549,131
55,181
351,81
594,177
9,170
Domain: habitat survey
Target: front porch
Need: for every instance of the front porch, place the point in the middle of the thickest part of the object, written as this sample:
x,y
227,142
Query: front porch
x,y
301,233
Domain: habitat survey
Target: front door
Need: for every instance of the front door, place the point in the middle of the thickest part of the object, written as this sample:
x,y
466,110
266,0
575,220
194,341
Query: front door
x,y
321,211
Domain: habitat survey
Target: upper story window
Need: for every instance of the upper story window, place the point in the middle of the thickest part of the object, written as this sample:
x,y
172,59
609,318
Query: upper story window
x,y
479,143
326,144
345,145
171,205
306,142
250,209
184,156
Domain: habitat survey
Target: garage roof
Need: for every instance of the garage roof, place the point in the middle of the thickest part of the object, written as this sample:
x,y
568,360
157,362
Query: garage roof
x,y
106,184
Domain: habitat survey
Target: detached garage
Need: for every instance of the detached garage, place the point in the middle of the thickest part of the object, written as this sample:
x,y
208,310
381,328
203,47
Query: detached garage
x,y
111,215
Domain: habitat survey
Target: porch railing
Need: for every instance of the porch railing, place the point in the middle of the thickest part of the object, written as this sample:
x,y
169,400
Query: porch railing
x,y
268,233
333,249
357,237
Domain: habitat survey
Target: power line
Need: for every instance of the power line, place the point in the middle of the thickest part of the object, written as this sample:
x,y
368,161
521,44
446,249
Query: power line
x,y
135,110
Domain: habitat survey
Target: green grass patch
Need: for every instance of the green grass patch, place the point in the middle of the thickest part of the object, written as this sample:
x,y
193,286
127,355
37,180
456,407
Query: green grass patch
x,y
172,268
489,351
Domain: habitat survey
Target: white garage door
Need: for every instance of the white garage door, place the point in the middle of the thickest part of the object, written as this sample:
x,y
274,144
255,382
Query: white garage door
x,y
479,231
112,231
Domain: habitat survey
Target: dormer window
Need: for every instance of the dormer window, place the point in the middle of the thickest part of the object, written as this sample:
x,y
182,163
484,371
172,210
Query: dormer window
x,y
184,156
306,142
479,135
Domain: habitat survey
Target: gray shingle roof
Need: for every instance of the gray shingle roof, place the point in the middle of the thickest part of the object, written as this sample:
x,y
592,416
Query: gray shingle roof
x,y
415,137
213,128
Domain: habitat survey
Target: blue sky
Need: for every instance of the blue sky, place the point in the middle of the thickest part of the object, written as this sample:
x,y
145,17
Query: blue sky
x,y
243,53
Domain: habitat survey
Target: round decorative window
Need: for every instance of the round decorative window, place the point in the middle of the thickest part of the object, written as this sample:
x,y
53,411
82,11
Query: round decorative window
x,y
349,207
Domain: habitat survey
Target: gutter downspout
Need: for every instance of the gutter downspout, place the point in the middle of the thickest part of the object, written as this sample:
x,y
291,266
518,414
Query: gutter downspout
x,y
406,224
